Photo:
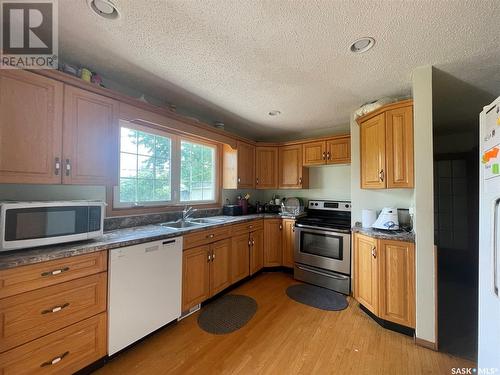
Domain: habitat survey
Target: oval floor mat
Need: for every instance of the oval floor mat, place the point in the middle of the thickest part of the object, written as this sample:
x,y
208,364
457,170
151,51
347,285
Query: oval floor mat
x,y
227,314
321,298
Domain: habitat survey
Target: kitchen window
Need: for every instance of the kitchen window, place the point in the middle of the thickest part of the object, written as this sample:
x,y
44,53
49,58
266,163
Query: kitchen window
x,y
160,169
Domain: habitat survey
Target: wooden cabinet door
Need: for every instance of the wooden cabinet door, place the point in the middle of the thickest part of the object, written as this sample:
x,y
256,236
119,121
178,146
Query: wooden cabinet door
x,y
240,257
397,282
266,160
292,175
338,151
220,269
314,153
372,138
30,128
246,166
288,242
366,272
273,251
256,251
90,137
195,276
399,147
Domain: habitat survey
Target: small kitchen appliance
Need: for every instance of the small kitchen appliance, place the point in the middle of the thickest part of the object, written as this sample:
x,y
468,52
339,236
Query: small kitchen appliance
x,y
32,224
323,245
388,219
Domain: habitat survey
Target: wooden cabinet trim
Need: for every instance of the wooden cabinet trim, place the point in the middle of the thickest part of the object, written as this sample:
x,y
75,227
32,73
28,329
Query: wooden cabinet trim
x,y
387,107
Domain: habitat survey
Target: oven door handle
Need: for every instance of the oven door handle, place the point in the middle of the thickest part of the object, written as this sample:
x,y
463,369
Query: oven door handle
x,y
322,273
309,229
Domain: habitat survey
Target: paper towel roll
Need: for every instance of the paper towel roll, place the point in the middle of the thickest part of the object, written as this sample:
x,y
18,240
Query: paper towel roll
x,y
368,217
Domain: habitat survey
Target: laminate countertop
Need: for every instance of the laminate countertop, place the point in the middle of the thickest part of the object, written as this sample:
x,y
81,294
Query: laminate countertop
x,y
395,235
114,239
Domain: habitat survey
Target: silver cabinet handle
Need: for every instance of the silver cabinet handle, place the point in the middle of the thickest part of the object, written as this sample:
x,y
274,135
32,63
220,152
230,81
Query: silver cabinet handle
x,y
210,235
57,166
257,181
55,272
253,243
68,167
281,226
374,252
55,309
55,360
381,175
239,180
324,155
328,156
300,180
209,258
213,257
495,246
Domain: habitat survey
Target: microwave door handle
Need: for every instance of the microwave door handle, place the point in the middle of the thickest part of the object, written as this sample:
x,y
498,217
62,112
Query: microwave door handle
x,y
496,239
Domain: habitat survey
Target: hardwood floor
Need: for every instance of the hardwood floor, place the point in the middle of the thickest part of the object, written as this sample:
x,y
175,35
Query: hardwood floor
x,y
284,337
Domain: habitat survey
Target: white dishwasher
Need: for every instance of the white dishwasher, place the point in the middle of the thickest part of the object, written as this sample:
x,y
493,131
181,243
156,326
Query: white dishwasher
x,y
144,290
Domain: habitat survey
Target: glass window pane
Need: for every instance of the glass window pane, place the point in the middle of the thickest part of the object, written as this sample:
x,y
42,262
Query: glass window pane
x,y
146,167
128,189
197,172
128,140
163,147
145,190
145,143
128,165
162,169
162,191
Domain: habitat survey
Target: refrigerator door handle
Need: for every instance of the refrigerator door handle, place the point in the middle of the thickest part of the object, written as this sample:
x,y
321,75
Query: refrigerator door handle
x,y
496,239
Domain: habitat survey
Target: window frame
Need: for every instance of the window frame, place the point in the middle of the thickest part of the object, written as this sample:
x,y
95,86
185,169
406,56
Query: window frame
x,y
175,178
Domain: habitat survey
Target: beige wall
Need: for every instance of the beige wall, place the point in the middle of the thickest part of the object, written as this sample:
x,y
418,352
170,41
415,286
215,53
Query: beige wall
x,y
424,205
373,199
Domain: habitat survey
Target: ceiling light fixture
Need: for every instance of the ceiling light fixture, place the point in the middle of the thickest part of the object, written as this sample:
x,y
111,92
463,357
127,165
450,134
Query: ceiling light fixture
x,y
104,8
274,112
362,45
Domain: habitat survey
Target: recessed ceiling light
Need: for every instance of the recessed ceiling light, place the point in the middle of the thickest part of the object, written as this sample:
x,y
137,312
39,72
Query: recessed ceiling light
x,y
274,112
362,45
104,8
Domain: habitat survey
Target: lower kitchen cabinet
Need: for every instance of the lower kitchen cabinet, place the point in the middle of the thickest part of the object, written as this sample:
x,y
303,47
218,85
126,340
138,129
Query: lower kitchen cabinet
x,y
288,242
206,272
256,251
220,270
384,278
195,276
240,257
273,242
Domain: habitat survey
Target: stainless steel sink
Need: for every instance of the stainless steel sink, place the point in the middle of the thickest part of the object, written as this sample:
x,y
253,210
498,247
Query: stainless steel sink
x,y
207,221
179,224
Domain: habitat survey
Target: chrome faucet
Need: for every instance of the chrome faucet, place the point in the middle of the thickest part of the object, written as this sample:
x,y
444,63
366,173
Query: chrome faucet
x,y
188,212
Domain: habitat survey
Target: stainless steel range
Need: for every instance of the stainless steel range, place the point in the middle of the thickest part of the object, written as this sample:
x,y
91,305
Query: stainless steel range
x,y
323,245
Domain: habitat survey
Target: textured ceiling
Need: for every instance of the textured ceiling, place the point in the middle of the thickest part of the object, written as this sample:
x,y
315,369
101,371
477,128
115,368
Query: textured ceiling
x,y
235,60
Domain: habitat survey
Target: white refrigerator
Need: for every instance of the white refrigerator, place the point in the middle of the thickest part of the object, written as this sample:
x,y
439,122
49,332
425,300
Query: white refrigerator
x,y
489,239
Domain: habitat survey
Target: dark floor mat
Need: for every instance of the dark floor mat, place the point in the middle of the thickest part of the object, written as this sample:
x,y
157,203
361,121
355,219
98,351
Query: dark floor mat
x,y
227,314
321,298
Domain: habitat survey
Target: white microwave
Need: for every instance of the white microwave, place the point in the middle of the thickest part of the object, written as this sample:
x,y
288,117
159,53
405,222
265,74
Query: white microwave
x,y
32,224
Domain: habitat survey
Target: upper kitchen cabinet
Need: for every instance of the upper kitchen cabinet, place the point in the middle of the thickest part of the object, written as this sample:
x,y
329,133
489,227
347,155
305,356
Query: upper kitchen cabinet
x,y
336,150
266,172
89,137
239,166
30,128
386,147
292,173
314,153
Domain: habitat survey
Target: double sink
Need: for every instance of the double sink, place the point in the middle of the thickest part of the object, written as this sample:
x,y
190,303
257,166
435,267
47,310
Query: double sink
x,y
179,224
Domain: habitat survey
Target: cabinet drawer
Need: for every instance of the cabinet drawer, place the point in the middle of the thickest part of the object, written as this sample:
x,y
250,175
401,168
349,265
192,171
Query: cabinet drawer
x,y
206,236
63,352
247,227
30,315
25,278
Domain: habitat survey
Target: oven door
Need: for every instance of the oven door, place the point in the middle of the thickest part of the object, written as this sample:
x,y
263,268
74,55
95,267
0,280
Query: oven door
x,y
32,225
325,249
